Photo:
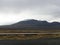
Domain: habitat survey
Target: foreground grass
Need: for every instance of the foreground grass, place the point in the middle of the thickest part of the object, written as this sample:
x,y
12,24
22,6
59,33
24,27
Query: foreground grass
x,y
28,36
29,31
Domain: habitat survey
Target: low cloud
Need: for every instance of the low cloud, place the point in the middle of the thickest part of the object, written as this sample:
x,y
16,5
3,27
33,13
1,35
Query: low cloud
x,y
27,9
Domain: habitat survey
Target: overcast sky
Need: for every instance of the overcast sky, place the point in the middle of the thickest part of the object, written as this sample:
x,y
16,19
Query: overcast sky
x,y
12,11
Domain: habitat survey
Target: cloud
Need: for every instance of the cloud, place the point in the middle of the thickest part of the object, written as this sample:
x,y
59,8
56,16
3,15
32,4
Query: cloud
x,y
27,9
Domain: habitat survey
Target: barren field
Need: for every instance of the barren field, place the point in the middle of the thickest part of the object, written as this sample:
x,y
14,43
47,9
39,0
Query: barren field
x,y
29,31
45,34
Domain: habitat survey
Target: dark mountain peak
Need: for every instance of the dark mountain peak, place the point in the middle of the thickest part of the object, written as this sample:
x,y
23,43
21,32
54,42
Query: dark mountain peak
x,y
27,21
33,24
31,20
55,22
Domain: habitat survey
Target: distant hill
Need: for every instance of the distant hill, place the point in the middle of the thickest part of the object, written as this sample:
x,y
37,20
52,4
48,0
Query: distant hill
x,y
33,25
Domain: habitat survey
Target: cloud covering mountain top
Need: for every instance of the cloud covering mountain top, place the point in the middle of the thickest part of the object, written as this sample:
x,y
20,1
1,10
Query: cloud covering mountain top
x,y
12,11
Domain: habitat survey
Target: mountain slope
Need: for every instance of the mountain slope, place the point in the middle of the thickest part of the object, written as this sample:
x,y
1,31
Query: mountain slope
x,y
33,24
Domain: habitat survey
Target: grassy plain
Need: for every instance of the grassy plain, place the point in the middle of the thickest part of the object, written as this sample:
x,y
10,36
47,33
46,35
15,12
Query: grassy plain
x,y
56,33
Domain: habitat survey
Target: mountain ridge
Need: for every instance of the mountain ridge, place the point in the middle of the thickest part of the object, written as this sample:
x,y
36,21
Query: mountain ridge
x,y
33,25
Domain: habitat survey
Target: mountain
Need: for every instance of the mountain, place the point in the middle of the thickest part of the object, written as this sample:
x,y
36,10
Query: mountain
x,y
33,25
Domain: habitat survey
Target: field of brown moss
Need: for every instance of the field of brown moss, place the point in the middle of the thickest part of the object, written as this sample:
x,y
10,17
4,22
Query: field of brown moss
x,y
29,31
27,36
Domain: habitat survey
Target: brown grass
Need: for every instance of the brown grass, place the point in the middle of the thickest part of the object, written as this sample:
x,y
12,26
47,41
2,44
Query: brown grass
x,y
28,36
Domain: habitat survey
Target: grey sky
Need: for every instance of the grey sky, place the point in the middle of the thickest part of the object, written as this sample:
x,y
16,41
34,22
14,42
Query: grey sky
x,y
12,11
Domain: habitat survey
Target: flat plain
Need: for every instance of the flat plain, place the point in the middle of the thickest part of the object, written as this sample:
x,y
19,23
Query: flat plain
x,y
28,34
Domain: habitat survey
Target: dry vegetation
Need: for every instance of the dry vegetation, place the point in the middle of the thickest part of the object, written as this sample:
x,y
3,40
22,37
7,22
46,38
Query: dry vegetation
x,y
29,31
27,36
